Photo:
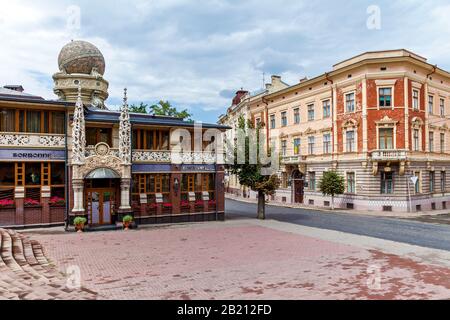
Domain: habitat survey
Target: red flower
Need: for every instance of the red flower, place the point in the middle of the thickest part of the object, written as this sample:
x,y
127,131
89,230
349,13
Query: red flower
x,y
6,202
185,203
57,201
199,203
167,205
152,205
31,202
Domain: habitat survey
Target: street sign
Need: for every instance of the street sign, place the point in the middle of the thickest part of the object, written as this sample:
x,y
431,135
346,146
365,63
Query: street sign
x,y
414,179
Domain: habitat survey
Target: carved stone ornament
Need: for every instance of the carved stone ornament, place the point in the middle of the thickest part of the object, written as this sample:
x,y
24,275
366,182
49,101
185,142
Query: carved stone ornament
x,y
101,149
78,132
125,132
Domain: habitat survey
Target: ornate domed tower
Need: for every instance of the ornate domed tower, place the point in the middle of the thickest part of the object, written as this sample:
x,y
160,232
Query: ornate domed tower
x,y
81,64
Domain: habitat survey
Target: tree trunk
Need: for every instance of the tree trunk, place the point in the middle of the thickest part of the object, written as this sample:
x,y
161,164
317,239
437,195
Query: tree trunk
x,y
261,206
332,202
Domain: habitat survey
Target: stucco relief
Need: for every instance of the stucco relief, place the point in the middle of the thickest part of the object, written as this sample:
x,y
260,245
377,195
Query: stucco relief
x,y
97,161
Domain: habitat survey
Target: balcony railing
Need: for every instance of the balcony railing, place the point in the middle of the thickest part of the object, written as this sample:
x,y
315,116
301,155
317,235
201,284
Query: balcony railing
x,y
291,159
11,139
169,157
389,155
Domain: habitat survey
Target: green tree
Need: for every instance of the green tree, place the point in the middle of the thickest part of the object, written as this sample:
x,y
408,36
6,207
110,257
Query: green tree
x,y
141,108
332,184
249,174
164,108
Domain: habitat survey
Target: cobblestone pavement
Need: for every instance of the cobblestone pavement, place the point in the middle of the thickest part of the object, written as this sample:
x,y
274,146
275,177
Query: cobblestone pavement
x,y
27,274
242,260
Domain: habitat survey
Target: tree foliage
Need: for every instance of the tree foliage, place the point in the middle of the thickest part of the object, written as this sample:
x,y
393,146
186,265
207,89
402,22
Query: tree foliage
x,y
141,108
332,183
164,108
250,174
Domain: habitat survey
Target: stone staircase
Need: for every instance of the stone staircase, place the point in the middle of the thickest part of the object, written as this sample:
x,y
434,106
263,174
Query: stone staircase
x,y
26,273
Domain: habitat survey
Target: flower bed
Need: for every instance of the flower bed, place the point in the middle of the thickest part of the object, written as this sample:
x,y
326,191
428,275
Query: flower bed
x,y
199,205
6,204
151,209
185,206
57,202
167,207
31,203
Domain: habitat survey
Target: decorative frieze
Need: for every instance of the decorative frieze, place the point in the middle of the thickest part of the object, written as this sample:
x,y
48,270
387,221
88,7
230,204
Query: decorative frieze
x,y
174,157
32,140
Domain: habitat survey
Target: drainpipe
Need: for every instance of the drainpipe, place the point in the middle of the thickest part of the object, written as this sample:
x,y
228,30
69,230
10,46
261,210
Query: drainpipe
x,y
434,70
267,121
332,114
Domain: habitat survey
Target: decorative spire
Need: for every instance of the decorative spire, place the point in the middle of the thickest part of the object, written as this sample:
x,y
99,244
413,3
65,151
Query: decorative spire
x,y
78,131
125,131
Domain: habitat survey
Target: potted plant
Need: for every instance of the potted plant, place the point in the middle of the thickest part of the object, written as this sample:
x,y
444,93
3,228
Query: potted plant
x,y
127,220
79,223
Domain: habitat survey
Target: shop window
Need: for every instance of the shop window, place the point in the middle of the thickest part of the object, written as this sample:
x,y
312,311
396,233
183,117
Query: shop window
x,y
57,173
6,174
33,174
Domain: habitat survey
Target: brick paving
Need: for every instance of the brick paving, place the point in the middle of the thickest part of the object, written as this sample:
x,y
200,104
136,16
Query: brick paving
x,y
27,274
239,260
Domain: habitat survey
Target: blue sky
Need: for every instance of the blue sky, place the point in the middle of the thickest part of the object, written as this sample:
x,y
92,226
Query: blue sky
x,y
196,54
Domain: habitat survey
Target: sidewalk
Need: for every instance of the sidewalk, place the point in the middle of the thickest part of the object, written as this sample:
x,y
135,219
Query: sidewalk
x,y
405,215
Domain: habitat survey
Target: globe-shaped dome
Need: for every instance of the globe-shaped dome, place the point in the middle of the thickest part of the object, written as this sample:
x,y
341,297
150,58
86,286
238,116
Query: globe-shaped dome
x,y
81,57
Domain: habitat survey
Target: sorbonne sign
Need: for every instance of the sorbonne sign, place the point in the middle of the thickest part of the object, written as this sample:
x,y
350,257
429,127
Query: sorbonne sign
x,y
31,155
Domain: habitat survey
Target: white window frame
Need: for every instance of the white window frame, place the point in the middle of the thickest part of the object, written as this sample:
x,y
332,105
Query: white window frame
x,y
312,139
299,118
329,143
442,107
354,101
328,102
313,111
392,97
432,104
347,180
418,99
352,129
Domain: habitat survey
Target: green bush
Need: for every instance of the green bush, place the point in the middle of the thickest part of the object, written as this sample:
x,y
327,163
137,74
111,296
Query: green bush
x,y
79,221
127,218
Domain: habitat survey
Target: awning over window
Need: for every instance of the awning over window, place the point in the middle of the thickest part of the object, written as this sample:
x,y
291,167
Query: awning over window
x,y
102,173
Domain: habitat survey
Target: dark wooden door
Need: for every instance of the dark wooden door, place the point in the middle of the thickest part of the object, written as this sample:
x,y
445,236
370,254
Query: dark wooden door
x,y
298,190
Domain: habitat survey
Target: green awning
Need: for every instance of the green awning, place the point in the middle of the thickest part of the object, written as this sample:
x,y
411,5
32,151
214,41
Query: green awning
x,y
102,173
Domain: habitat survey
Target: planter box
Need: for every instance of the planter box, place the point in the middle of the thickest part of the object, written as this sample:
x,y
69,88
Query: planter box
x,y
7,216
57,213
32,214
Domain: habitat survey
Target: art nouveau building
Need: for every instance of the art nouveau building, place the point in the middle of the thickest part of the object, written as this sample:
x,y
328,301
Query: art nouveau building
x,y
379,119
74,157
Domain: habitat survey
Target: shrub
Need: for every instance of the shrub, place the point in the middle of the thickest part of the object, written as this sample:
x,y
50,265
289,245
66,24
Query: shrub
x,y
127,218
79,221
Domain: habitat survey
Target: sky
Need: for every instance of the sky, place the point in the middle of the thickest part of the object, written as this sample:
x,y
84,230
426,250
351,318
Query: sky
x,y
197,53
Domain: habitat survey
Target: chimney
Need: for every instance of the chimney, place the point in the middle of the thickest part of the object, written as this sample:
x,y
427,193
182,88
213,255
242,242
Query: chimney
x,y
17,88
304,79
238,97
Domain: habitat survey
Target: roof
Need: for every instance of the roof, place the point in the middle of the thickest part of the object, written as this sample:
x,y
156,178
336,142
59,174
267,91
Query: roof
x,y
9,93
98,115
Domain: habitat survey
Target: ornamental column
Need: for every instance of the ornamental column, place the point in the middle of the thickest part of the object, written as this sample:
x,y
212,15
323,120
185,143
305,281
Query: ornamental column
x,y
78,154
125,155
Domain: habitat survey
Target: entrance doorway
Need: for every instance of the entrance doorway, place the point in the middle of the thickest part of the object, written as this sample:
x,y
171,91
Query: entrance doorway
x,y
298,186
100,206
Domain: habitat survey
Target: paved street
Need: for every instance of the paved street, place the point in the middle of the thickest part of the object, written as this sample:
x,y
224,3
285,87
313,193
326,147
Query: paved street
x,y
401,230
248,259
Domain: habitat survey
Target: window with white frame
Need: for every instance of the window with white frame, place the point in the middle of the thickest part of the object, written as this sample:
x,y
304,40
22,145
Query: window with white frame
x,y
430,104
296,115
350,102
297,146
385,97
326,143
431,141
283,148
326,108
418,182
312,181
442,142
350,141
272,121
387,183
415,98
442,107
284,119
351,182
311,142
432,181
416,141
258,122
443,177
311,112
386,138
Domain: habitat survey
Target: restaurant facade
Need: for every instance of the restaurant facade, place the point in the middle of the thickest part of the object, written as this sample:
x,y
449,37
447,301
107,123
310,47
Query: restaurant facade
x,y
70,157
